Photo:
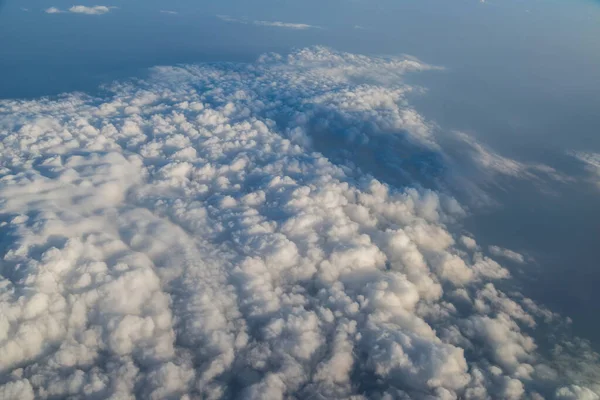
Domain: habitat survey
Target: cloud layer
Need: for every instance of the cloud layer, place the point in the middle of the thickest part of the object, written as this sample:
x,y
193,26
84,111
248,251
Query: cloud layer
x,y
255,231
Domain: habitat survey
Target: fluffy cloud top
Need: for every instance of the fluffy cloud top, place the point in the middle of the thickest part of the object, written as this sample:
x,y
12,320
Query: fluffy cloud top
x,y
187,237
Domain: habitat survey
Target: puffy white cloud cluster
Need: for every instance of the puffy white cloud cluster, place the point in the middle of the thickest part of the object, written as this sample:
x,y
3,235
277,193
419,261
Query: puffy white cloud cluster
x,y
242,231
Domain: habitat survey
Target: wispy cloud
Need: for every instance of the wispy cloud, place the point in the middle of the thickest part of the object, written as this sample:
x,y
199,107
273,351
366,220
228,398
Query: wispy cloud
x,y
278,24
169,12
275,24
53,10
591,163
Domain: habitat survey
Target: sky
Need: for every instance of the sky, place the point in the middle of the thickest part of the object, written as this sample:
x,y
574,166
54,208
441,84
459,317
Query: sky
x,y
350,199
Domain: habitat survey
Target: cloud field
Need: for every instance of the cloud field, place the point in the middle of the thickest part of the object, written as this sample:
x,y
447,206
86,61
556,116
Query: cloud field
x,y
275,230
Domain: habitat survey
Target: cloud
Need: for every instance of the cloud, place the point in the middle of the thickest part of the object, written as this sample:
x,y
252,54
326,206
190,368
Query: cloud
x,y
94,10
53,10
591,162
215,231
469,242
474,166
169,12
508,254
276,24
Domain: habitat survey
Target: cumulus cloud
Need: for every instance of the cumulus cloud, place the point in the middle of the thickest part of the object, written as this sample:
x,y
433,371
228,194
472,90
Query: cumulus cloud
x,y
469,242
506,253
200,234
276,24
94,10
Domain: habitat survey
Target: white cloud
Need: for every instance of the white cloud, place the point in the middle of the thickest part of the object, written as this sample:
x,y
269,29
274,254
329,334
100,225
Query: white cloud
x,y
469,242
279,24
575,392
94,10
202,234
169,12
53,10
276,24
591,161
508,254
